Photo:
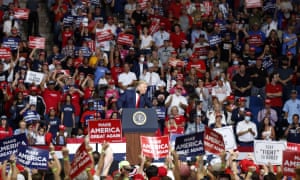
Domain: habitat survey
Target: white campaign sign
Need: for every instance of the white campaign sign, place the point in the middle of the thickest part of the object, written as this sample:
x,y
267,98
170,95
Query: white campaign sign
x,y
228,137
34,77
268,152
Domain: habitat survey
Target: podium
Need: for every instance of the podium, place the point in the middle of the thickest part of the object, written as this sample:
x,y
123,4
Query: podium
x,y
135,123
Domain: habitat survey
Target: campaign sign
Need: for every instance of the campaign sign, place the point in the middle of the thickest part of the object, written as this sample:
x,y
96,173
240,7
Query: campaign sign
x,y
34,77
68,20
173,137
5,53
253,3
155,147
12,43
33,158
228,137
161,113
208,6
21,13
154,26
104,35
293,147
143,4
213,141
105,130
125,39
81,161
291,159
191,145
268,152
10,145
37,42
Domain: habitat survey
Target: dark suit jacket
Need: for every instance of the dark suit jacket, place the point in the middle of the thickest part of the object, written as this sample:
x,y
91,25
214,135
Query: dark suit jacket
x,y
128,100
136,69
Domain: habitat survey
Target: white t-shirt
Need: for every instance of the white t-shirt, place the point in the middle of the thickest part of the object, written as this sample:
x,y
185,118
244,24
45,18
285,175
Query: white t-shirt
x,y
146,41
153,77
176,100
126,78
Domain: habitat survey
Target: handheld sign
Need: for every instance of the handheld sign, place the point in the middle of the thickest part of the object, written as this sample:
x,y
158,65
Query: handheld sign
x,y
12,43
291,159
34,77
5,53
104,35
155,147
268,152
213,141
21,13
37,42
253,3
191,145
228,137
105,130
81,161
10,145
293,147
33,158
125,39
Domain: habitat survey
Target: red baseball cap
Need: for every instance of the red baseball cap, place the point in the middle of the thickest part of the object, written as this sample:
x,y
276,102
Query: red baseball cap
x,y
268,101
242,99
248,113
231,97
252,49
61,127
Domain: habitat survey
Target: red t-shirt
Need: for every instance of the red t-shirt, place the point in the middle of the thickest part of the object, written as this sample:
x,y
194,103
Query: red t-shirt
x,y
197,65
5,133
115,72
176,39
65,36
76,103
52,98
88,93
270,88
175,8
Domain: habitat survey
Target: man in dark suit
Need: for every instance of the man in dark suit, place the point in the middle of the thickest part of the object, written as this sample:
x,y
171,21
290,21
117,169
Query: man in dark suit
x,y
135,98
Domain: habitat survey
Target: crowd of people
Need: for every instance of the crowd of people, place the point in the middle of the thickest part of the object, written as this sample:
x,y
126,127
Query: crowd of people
x,y
198,63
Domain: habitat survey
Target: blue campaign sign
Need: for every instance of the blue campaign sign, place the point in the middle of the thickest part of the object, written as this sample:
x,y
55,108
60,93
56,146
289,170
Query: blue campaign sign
x,y
68,20
12,43
10,145
161,113
85,51
33,158
190,145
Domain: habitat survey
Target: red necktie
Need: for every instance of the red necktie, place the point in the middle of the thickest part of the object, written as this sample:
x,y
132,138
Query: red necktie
x,y
138,102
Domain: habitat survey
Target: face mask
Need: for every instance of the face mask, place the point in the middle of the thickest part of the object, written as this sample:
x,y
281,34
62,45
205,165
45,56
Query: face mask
x,y
242,109
11,17
217,64
247,118
142,59
117,65
235,62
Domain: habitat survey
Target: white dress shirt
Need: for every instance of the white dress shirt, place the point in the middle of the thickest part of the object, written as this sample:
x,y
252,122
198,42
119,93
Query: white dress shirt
x,y
243,126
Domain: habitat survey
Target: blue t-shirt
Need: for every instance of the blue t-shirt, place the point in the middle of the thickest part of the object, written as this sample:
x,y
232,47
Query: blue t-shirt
x,y
54,123
68,111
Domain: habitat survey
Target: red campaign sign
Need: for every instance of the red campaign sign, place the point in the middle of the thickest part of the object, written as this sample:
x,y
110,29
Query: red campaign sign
x,y
104,35
253,3
255,40
154,26
155,147
208,6
21,13
293,147
202,51
291,159
109,130
125,39
5,53
91,45
37,42
143,3
213,141
81,161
